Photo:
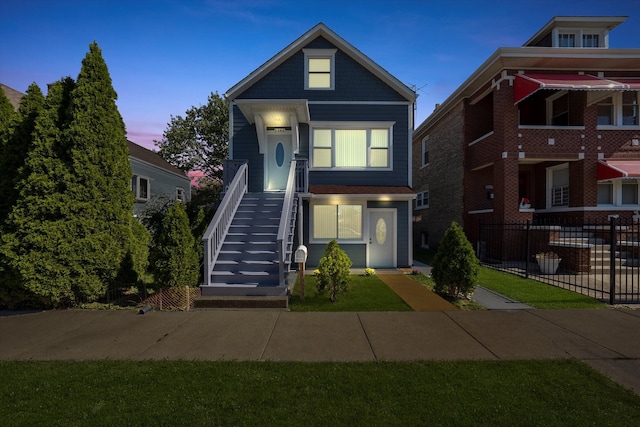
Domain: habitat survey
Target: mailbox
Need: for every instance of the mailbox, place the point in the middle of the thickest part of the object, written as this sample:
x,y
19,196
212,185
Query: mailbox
x,y
300,254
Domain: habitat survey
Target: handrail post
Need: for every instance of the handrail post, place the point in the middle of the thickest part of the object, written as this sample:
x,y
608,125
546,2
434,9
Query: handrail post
x,y
526,263
612,260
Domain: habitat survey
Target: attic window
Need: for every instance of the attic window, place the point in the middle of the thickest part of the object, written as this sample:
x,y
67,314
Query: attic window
x,y
319,69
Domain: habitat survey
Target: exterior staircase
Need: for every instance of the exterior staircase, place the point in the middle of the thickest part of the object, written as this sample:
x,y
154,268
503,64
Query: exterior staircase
x,y
247,265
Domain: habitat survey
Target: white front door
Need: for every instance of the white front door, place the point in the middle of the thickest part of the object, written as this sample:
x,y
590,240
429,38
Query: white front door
x,y
382,238
277,161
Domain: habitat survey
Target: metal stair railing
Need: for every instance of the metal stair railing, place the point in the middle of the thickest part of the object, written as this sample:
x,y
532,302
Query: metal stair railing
x,y
214,237
285,218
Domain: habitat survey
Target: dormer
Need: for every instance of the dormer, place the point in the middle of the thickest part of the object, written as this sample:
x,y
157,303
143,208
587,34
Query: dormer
x,y
576,32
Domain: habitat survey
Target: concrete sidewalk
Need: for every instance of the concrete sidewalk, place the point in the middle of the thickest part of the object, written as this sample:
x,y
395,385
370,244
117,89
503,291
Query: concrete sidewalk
x,y
606,339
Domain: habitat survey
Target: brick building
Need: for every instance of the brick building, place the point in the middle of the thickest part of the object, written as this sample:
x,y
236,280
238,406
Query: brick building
x,y
547,130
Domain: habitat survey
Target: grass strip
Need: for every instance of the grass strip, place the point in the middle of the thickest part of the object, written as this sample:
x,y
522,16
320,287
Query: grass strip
x,y
366,293
488,393
532,292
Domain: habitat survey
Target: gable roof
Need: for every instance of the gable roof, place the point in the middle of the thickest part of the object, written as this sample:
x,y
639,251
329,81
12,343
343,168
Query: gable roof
x,y
145,155
13,95
321,30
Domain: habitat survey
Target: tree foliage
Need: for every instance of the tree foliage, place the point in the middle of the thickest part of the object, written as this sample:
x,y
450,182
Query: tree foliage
x,y
333,271
72,225
455,266
174,260
199,140
7,118
36,269
19,140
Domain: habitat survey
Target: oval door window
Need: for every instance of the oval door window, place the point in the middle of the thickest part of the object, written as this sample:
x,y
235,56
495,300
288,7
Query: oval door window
x,y
381,231
279,154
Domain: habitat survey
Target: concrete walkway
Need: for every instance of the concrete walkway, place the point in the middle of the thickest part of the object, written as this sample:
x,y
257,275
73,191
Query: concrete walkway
x,y
606,339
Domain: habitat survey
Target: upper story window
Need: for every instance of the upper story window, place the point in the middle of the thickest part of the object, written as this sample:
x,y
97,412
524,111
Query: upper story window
x,y
558,109
566,40
586,38
620,109
425,151
591,40
618,192
355,146
180,194
141,187
319,69
422,200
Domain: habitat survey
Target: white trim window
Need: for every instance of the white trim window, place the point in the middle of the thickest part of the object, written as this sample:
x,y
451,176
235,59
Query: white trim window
x,y
422,200
180,194
585,38
351,146
339,221
618,192
425,151
619,109
319,69
558,185
141,187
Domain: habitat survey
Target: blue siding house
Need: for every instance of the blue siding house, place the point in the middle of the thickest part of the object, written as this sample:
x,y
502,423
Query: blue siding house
x,y
153,177
320,149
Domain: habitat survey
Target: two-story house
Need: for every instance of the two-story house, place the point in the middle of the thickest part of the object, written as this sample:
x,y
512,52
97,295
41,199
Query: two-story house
x,y
545,131
320,149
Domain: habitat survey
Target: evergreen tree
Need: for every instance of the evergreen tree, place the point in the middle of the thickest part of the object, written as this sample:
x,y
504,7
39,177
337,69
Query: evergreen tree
x,y
174,260
34,269
17,147
333,271
455,267
98,196
7,117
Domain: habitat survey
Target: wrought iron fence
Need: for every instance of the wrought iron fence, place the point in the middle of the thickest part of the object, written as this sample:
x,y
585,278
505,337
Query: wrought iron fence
x,y
600,259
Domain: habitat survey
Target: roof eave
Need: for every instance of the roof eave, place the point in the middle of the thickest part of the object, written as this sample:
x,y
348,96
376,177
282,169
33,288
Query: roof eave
x,y
513,59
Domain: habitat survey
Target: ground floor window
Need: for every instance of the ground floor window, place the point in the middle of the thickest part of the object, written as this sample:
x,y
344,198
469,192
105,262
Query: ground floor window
x,y
337,221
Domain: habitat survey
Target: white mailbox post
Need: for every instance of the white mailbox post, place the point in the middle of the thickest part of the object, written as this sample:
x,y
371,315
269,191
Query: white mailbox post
x,y
300,256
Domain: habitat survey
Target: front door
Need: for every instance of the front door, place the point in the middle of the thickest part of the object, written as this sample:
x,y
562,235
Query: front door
x,y
382,238
277,161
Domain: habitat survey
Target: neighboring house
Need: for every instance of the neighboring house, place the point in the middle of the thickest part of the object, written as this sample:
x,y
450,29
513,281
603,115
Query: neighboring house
x,y
546,131
324,129
153,177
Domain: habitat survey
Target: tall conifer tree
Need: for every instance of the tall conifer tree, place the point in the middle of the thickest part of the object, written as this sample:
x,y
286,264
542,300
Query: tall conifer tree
x,y
33,248
17,147
99,199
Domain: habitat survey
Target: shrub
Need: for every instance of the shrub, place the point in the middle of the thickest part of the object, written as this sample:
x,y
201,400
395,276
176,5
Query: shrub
x,y
333,271
369,272
455,267
174,260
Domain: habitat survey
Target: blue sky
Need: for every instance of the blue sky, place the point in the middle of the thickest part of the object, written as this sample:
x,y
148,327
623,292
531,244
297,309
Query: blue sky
x,y
165,56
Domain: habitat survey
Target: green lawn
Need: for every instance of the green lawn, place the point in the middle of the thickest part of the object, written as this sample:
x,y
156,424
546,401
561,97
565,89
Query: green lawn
x,y
528,291
366,293
532,292
540,393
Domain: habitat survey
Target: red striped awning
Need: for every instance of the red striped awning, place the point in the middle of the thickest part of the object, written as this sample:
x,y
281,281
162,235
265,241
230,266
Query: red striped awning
x,y
526,84
618,168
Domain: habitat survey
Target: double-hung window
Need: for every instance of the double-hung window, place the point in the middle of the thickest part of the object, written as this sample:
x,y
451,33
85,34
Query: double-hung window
x,y
620,109
356,146
422,200
337,221
619,192
319,69
141,187
425,151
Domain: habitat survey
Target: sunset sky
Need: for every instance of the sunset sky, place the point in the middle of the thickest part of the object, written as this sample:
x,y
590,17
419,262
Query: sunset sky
x,y
165,56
